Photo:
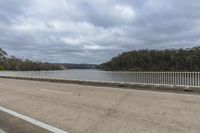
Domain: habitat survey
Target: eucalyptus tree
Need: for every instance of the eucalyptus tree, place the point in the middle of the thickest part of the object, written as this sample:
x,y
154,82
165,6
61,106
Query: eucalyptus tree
x,y
16,64
156,60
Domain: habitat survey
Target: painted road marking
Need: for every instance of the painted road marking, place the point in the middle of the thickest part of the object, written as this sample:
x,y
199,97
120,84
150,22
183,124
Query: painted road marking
x,y
32,121
2,131
57,91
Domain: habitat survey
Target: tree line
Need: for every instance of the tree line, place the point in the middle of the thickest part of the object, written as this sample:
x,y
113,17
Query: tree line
x,y
156,60
15,64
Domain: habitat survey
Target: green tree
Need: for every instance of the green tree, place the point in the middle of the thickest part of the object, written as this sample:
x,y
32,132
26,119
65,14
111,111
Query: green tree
x,y
15,64
156,60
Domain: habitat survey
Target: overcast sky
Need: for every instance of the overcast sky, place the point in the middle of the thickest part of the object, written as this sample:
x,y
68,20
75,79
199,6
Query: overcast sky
x,y
93,31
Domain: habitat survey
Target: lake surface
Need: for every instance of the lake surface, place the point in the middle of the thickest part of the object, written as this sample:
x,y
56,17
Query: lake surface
x,y
74,74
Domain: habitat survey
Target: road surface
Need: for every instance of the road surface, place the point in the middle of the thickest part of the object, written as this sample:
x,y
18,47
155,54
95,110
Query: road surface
x,y
88,109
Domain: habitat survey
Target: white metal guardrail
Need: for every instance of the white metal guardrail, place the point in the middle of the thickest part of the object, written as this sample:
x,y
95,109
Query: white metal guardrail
x,y
184,79
187,79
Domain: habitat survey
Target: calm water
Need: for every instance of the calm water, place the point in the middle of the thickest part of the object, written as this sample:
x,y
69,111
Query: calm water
x,y
74,74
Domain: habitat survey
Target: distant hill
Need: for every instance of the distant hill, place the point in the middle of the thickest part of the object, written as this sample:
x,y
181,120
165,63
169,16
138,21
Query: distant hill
x,y
80,66
156,60
15,64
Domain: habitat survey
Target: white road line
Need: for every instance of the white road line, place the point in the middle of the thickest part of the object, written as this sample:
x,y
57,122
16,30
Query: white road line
x,y
33,121
57,91
2,131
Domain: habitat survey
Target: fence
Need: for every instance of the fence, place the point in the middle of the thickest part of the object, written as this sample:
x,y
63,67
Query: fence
x,y
184,79
187,79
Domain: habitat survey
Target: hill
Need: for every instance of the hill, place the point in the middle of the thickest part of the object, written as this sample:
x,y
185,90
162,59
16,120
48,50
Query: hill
x,y
80,66
15,64
156,60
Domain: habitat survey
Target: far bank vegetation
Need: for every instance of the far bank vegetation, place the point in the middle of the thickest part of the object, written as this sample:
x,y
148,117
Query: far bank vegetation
x,y
15,64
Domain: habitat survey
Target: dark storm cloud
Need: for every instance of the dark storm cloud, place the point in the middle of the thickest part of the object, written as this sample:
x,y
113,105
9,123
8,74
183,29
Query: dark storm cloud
x,y
85,31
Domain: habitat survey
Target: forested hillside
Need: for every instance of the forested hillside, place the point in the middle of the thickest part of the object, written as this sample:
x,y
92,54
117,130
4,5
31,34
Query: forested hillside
x,y
16,64
156,60
80,66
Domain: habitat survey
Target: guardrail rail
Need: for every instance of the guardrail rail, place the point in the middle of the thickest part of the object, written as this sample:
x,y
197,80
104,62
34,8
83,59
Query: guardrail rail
x,y
182,79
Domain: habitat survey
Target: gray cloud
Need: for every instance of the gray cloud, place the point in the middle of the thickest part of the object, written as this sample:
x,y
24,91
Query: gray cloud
x,y
85,31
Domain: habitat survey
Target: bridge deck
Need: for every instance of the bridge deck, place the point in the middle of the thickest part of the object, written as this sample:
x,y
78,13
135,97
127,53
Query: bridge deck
x,y
89,109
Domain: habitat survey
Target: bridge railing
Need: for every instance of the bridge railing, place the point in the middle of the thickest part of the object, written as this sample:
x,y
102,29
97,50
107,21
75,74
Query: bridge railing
x,y
187,79
184,79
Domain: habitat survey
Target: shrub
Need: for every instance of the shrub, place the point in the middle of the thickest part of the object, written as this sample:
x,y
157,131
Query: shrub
x,y
2,68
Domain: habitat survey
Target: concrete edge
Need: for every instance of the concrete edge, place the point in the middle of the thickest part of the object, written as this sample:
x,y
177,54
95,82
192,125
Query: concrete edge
x,y
162,88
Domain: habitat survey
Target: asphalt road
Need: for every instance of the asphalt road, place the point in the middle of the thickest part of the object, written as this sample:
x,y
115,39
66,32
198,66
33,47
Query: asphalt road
x,y
89,109
11,124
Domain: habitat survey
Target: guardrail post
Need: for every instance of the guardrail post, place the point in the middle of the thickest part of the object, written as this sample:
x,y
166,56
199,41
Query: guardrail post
x,y
174,79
